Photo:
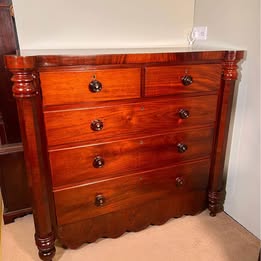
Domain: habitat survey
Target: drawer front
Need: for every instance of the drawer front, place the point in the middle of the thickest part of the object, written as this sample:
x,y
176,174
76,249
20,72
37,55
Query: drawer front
x,y
100,198
73,87
166,80
119,122
102,161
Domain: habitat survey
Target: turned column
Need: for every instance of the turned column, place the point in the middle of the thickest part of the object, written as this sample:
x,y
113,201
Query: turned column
x,y
29,104
216,195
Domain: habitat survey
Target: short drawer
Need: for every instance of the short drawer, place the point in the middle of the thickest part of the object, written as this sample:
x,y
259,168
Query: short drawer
x,y
99,124
102,161
111,195
69,87
166,80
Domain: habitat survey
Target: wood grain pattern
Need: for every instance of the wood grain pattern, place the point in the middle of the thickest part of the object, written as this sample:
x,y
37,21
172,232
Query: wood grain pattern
x,y
127,156
166,80
227,87
49,61
139,177
116,84
78,203
127,120
26,92
133,218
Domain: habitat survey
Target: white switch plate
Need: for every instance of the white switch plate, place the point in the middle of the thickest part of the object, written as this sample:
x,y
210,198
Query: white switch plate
x,y
200,32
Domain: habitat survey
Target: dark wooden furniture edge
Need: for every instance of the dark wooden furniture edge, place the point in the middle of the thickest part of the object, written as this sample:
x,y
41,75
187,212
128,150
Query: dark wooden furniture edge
x,y
14,186
229,76
37,60
26,92
155,212
3,137
11,148
10,216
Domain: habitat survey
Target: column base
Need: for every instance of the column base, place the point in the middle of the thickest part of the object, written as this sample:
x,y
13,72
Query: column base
x,y
46,246
216,201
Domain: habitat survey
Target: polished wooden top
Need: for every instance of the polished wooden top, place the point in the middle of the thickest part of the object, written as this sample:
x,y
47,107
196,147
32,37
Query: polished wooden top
x,y
26,59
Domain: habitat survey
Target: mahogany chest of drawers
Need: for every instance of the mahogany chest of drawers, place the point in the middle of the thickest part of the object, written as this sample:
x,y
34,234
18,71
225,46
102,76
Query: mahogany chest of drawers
x,y
117,141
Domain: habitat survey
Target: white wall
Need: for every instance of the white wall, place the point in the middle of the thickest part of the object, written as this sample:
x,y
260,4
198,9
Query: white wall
x,y
237,23
67,24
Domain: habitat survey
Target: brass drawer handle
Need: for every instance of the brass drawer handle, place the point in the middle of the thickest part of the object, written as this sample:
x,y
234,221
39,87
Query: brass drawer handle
x,y
187,80
98,162
184,114
97,125
95,86
99,200
179,182
182,148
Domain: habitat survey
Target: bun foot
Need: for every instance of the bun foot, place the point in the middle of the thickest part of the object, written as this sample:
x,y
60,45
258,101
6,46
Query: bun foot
x,y
46,247
212,214
215,202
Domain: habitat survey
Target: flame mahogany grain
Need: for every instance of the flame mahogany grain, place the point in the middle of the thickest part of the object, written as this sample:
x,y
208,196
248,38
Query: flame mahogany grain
x,y
127,156
116,84
140,177
76,203
127,120
168,79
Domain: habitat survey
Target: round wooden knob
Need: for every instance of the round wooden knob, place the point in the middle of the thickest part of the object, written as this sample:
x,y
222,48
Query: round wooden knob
x,y
95,86
184,114
187,80
179,181
99,200
98,162
96,125
182,147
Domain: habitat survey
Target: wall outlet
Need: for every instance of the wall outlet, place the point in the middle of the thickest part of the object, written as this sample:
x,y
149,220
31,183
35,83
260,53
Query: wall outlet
x,y
200,32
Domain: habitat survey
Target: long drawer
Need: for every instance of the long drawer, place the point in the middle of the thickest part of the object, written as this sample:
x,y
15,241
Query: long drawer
x,y
67,87
184,79
99,124
99,198
91,163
